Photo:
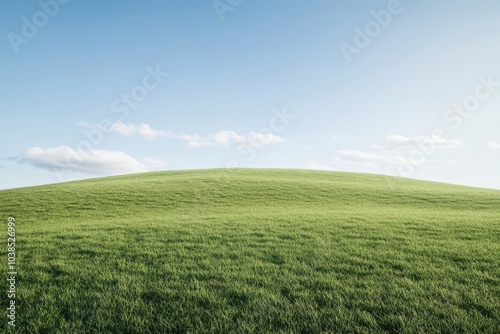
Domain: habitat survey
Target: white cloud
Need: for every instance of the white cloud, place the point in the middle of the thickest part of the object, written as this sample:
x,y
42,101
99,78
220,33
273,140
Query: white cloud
x,y
436,141
399,151
389,158
493,145
195,140
220,138
157,163
261,139
143,130
356,160
335,137
353,155
99,162
228,138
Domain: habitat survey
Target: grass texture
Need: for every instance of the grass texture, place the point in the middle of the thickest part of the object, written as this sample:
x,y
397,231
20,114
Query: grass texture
x,y
253,251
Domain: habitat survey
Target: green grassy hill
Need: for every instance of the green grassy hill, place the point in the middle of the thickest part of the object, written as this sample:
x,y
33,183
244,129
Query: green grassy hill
x,y
254,251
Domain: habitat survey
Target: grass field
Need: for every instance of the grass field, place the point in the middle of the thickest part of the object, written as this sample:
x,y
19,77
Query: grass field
x,y
254,251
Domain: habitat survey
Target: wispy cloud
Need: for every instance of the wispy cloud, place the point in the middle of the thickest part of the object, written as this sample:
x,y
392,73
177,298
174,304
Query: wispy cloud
x,y
67,159
437,141
388,158
130,129
156,163
493,145
360,156
144,130
220,138
343,164
399,150
228,138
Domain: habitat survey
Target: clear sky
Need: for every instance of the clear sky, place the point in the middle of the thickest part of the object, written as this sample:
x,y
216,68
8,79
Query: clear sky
x,y
94,88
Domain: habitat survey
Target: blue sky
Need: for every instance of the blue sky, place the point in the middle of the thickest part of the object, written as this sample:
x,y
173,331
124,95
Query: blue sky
x,y
404,88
